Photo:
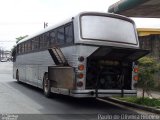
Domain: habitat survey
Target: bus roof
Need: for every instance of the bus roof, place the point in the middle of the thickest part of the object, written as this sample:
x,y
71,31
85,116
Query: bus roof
x,y
45,30
69,20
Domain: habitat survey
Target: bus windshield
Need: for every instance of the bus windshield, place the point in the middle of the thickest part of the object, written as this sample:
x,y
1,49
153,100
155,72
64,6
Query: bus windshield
x,y
108,29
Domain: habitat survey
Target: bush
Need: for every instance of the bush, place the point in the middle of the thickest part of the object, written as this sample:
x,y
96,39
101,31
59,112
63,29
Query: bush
x,y
142,101
148,66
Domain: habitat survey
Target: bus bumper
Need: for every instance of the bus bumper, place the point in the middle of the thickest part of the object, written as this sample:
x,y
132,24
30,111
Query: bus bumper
x,y
102,93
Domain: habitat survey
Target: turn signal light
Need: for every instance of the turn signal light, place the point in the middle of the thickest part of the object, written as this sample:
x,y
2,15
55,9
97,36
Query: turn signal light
x,y
80,75
135,70
81,67
135,78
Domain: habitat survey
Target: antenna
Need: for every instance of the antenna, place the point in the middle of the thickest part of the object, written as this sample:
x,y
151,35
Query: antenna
x,y
45,25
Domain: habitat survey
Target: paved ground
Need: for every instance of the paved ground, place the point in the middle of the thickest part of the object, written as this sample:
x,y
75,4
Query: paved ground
x,y
25,102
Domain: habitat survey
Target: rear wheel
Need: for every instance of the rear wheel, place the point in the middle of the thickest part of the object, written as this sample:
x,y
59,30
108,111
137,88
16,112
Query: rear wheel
x,y
46,86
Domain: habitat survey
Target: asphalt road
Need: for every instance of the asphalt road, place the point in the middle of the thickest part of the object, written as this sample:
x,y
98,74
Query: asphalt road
x,y
24,102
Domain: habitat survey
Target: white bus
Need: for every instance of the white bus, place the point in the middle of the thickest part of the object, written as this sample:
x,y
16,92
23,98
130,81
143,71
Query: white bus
x,y
90,55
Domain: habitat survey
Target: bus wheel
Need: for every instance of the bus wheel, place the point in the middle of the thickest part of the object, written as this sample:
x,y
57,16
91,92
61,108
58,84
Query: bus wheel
x,y
17,76
46,86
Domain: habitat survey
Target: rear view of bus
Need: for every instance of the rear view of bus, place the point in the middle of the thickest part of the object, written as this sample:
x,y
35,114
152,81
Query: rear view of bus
x,y
107,51
90,55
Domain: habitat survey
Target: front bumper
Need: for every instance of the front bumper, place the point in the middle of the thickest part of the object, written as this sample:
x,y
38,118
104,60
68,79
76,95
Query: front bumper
x,y
102,93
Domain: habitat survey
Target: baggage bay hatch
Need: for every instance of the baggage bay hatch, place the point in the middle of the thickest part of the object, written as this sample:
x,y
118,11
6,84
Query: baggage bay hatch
x,y
122,54
62,67
58,56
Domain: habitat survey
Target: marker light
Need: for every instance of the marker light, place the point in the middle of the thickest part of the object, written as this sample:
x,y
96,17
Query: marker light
x,y
80,75
81,67
135,70
135,78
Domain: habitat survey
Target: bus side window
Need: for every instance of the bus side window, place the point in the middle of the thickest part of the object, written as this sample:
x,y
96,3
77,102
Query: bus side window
x,y
35,43
44,40
41,41
29,47
17,49
69,33
47,39
53,37
60,36
25,47
20,48
14,53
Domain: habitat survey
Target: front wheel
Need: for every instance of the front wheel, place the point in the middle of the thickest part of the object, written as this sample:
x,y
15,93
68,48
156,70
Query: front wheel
x,y
46,86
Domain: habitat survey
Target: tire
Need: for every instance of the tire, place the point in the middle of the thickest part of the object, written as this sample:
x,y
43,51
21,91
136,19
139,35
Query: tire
x,y
17,76
46,86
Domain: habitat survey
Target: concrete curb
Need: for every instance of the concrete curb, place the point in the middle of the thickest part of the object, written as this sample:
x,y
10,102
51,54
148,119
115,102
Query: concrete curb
x,y
150,109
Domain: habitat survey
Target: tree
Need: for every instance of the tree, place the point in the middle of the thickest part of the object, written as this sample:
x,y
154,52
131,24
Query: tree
x,y
148,66
20,38
13,50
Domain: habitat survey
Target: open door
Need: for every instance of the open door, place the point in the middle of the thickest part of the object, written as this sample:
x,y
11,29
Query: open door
x,y
120,54
110,68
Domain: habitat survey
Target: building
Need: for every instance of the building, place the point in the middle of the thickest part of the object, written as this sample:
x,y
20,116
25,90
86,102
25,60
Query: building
x,y
150,39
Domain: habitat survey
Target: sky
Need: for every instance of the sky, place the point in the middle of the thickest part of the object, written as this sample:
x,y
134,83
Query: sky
x,y
26,17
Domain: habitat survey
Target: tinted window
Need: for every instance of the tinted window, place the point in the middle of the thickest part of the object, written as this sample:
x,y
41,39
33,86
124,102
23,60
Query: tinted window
x,y
53,36
44,40
60,35
18,50
69,33
47,39
25,47
29,47
35,43
14,53
22,45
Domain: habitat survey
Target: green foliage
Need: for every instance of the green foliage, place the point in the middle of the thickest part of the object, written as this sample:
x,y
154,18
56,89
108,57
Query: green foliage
x,y
20,38
13,51
148,66
142,101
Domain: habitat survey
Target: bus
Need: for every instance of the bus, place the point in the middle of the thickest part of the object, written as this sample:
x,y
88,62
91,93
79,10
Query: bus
x,y
90,55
